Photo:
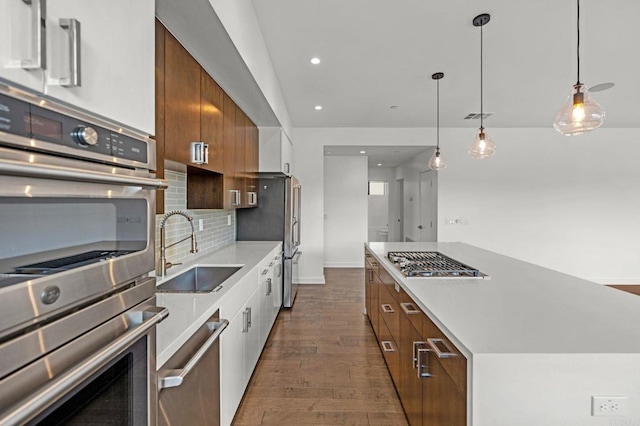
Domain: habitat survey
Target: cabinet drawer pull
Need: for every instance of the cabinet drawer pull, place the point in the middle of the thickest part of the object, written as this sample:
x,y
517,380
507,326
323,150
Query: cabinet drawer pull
x,y
387,346
199,153
416,347
265,272
245,320
433,345
39,38
374,263
370,275
410,309
72,26
387,309
268,286
423,366
249,321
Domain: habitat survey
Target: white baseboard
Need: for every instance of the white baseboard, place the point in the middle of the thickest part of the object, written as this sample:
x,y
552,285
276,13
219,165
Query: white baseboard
x,y
615,281
310,280
359,264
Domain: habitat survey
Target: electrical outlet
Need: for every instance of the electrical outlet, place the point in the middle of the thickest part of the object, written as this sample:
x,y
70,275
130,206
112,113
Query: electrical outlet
x,y
228,220
608,406
201,224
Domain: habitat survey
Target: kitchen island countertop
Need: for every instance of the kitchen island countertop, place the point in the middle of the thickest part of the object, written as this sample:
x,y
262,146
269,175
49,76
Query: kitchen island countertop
x,y
521,308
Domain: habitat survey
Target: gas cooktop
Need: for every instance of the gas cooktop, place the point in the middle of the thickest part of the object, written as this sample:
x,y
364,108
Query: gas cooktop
x,y
431,264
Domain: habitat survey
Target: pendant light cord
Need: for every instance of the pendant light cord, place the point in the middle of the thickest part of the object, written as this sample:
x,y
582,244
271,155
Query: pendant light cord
x,y
578,47
438,115
481,93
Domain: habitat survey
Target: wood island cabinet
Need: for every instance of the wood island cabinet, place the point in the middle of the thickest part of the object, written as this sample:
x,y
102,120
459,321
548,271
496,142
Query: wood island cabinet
x,y
428,371
192,107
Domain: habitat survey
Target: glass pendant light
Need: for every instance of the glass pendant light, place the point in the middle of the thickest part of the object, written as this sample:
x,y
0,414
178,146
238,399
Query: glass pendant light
x,y
580,113
482,146
437,160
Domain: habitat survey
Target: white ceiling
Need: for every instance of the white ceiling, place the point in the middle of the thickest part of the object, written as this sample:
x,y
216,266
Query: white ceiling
x,y
378,53
387,156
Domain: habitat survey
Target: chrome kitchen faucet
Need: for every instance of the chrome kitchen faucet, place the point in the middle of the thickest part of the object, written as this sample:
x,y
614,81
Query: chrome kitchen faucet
x,y
164,265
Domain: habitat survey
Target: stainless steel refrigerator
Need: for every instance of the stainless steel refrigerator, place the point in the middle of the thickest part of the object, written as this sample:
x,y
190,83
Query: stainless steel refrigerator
x,y
277,218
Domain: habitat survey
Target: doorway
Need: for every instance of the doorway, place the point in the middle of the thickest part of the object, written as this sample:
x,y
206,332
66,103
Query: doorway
x,y
397,212
428,192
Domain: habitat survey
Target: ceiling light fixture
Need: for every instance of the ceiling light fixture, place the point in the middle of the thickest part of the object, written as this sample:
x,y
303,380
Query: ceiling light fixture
x,y
379,164
482,146
314,61
437,161
363,152
318,107
580,113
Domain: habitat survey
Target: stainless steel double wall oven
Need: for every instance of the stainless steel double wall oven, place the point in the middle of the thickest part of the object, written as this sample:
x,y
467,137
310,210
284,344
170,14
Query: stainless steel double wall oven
x,y
77,300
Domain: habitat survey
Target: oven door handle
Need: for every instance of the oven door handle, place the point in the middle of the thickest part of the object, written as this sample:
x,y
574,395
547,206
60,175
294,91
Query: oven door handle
x,y
20,168
47,395
173,378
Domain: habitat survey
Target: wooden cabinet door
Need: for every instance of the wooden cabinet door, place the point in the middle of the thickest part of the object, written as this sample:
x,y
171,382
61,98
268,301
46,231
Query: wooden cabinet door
x,y
211,121
240,176
159,131
443,403
182,101
251,163
410,383
229,151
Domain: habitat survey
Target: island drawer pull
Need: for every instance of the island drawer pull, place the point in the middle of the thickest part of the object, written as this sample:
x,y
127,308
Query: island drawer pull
x,y
387,346
387,309
447,353
245,320
423,368
370,275
416,347
410,309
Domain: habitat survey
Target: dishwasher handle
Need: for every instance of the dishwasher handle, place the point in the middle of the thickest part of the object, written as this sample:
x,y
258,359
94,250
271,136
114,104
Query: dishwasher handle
x,y
173,378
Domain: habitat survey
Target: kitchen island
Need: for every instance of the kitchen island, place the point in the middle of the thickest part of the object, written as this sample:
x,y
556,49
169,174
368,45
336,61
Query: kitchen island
x,y
538,344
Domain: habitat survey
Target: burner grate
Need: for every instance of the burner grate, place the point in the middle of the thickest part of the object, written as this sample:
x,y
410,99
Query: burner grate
x,y
430,264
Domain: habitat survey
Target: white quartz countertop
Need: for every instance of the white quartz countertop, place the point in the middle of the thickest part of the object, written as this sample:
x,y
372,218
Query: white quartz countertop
x,y
188,311
522,308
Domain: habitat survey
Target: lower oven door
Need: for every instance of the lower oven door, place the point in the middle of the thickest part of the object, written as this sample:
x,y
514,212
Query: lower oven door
x,y
107,376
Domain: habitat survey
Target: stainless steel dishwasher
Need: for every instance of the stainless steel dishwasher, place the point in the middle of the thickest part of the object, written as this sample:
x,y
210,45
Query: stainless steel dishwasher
x,y
189,382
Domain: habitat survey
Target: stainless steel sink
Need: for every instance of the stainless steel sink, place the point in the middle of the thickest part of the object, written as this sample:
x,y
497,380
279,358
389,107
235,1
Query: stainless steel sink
x,y
201,279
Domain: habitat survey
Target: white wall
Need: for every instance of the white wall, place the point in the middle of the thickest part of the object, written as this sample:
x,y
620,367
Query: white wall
x,y
345,207
566,203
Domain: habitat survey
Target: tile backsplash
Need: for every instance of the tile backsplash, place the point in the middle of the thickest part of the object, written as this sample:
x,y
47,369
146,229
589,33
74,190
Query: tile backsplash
x,y
216,231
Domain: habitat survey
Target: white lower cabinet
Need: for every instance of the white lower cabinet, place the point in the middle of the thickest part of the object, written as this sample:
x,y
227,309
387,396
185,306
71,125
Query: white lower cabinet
x,y
242,342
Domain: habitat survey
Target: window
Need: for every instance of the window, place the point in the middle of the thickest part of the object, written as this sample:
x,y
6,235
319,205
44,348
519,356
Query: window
x,y
377,187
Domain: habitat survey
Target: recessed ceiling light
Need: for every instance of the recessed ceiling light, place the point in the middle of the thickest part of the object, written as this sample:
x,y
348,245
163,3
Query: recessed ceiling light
x,y
318,107
379,164
363,152
315,61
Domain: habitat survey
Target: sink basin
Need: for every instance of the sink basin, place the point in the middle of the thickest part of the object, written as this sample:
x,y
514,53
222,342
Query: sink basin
x,y
201,279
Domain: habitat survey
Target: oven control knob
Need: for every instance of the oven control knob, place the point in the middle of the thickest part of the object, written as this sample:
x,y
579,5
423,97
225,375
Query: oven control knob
x,y
50,294
85,136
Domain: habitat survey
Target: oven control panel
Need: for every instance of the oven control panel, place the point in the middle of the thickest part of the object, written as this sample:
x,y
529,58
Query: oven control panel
x,y
53,131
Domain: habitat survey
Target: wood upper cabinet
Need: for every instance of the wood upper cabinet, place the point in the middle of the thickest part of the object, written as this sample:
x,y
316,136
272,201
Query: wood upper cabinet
x,y
192,107
182,101
211,121
251,149
241,127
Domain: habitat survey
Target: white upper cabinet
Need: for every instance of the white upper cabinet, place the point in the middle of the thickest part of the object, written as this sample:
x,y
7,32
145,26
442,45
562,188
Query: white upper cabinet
x,y
23,46
98,55
276,151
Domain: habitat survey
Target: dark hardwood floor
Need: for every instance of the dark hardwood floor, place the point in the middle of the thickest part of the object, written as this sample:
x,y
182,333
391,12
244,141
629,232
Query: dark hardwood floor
x,y
321,364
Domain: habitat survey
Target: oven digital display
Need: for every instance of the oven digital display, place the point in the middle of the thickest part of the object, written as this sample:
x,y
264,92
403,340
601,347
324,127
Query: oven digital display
x,y
45,127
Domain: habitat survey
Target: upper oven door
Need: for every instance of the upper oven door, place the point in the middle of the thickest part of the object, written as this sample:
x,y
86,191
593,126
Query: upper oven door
x,y
71,230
